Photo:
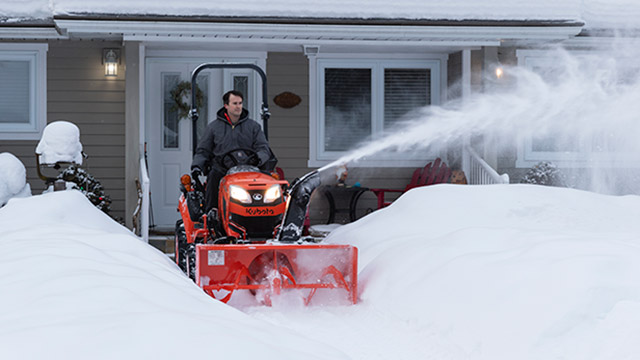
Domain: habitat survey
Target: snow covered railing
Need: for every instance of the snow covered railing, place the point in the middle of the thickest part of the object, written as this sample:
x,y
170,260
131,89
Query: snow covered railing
x,y
479,172
144,213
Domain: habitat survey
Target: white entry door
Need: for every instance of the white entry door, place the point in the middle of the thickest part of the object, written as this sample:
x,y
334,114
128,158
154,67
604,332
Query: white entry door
x,y
169,137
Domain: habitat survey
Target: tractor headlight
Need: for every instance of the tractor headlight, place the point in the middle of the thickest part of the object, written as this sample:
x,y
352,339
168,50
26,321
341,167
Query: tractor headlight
x,y
239,194
272,194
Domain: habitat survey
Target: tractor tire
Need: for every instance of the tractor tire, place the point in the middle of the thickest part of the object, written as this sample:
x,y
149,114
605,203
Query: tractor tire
x,y
181,246
190,260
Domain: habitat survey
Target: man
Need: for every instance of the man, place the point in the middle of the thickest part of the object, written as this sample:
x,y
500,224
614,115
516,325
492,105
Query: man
x,y
232,129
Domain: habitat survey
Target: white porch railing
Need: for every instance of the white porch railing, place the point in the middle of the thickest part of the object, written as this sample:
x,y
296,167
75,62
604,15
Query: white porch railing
x,y
144,213
478,172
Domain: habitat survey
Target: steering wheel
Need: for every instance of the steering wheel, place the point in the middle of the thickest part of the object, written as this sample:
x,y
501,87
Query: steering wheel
x,y
240,156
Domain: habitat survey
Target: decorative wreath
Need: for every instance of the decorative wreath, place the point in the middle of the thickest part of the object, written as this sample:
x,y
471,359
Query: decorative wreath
x,y
181,95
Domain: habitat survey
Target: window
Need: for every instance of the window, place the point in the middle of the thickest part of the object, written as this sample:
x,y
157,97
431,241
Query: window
x,y
359,100
599,144
170,120
22,91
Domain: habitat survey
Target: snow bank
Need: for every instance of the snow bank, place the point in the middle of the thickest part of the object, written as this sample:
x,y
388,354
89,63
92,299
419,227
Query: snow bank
x,y
60,142
77,285
13,178
447,272
506,271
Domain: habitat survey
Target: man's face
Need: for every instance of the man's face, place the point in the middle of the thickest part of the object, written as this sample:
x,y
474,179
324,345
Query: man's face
x,y
234,107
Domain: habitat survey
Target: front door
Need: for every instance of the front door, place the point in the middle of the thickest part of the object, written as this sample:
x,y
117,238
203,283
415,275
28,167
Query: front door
x,y
169,136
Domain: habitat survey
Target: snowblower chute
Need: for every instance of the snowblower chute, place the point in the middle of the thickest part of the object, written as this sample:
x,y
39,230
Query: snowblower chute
x,y
270,268
252,240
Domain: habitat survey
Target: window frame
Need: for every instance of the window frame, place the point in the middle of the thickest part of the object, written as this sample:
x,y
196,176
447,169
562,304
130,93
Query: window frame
x,y
585,156
36,56
318,155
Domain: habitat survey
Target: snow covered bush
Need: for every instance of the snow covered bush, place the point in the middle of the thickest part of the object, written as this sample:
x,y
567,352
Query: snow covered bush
x,y
60,142
13,178
544,173
88,185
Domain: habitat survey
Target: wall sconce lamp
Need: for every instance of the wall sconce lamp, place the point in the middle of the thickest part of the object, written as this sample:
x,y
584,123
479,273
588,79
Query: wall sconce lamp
x,y
110,60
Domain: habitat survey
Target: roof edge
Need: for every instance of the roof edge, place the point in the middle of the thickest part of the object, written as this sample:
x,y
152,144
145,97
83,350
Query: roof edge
x,y
320,20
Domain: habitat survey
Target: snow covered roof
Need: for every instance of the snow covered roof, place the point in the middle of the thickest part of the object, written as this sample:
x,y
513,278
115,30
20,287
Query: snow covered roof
x,y
595,13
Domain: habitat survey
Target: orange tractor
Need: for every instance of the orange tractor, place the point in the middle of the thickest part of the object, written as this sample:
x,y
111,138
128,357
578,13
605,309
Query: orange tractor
x,y
253,240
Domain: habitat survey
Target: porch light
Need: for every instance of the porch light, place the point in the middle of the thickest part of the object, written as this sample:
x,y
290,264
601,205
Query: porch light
x,y
110,59
499,72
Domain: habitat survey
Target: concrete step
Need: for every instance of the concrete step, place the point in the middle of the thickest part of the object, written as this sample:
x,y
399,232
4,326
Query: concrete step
x,y
164,243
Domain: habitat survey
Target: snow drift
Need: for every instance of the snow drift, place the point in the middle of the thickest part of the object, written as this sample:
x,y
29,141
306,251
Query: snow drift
x,y
447,272
77,285
507,271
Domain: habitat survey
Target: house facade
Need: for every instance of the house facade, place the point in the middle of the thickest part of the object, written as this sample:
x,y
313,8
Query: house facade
x,y
354,78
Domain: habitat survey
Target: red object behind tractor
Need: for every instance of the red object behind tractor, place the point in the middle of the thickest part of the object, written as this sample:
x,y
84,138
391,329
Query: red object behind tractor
x,y
252,241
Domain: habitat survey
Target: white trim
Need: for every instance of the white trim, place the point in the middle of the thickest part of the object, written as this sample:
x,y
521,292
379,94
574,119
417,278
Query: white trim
x,y
25,33
36,55
142,76
303,33
603,43
203,55
376,62
466,93
313,106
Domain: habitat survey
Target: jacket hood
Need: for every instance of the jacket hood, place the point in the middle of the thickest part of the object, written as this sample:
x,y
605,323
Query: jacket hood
x,y
243,116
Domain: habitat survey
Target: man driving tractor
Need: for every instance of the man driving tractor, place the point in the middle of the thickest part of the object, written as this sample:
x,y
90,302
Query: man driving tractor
x,y
232,129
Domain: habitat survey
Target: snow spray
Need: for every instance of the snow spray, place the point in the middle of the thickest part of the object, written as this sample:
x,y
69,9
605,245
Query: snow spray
x,y
585,107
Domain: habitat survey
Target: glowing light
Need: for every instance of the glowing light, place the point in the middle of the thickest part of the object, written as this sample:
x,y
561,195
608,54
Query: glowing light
x,y
272,194
110,59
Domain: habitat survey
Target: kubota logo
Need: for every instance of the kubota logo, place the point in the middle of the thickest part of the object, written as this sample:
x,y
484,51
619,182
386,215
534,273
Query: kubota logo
x,y
259,211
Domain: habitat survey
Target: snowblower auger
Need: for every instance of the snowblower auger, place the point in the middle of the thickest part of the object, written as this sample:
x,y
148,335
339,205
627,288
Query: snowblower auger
x,y
252,241
311,268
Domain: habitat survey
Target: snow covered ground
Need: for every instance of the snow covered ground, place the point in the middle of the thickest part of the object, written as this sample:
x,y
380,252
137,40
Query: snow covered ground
x,y
446,272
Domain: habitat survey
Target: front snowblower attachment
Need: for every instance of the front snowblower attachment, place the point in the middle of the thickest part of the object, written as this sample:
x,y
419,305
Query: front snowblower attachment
x,y
326,272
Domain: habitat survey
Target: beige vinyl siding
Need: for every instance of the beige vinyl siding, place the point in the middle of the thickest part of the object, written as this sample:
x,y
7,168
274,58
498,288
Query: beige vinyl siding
x,y
289,128
78,91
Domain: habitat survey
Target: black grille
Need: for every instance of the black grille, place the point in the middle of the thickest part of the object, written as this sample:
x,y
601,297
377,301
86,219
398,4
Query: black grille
x,y
258,227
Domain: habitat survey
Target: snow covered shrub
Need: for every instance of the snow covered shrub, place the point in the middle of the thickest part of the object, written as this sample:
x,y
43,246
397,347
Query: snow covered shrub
x,y
60,142
544,173
88,185
13,178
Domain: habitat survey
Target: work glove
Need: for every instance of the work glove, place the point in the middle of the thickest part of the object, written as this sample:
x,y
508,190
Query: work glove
x,y
195,172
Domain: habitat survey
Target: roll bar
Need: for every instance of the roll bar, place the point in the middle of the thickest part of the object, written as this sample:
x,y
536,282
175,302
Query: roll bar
x,y
193,113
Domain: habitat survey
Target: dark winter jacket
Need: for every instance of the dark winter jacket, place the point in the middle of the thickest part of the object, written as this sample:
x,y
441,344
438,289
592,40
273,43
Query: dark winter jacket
x,y
220,137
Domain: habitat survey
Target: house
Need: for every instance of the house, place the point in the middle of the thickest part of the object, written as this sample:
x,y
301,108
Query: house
x,y
356,66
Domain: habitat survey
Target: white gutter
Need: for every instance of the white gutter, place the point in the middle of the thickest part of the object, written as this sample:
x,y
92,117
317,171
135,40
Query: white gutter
x,y
297,33
25,33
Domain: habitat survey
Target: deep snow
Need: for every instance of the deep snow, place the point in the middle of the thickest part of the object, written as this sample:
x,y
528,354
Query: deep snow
x,y
447,272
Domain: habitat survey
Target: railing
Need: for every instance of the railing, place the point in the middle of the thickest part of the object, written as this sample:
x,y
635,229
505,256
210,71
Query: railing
x,y
144,210
478,171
